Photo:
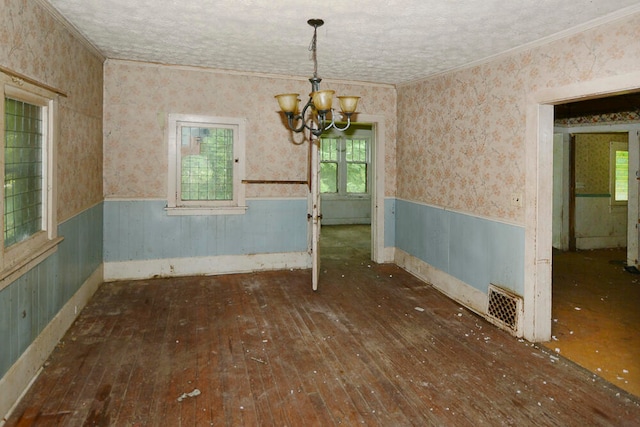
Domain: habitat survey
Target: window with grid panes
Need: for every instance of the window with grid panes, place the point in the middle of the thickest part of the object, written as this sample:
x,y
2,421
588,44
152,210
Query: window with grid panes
x,y
28,220
619,172
23,172
205,164
344,163
329,165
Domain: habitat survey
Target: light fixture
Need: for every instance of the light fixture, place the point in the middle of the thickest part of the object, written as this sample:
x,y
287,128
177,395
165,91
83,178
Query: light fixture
x,y
317,114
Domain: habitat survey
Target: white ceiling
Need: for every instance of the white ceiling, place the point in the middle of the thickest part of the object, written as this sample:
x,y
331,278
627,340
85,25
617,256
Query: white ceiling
x,y
382,41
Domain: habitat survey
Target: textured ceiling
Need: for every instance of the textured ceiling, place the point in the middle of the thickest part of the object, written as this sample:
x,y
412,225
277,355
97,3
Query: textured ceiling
x,y
382,41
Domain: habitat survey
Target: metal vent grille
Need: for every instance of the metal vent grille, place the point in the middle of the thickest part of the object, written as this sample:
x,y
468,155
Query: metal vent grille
x,y
504,309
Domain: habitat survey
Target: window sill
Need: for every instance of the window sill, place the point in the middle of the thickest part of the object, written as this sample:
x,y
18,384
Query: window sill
x,y
12,273
226,210
355,196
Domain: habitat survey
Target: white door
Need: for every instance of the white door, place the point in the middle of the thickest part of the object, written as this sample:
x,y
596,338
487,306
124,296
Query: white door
x,y
315,215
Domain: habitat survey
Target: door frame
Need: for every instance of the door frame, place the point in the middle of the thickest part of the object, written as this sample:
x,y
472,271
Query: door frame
x,y
378,128
378,252
631,130
539,192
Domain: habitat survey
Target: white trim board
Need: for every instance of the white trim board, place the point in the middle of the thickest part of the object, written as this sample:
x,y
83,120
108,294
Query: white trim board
x,y
461,292
204,266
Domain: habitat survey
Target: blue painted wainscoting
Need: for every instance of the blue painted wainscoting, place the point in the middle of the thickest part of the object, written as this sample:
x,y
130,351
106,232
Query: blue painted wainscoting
x,y
141,230
389,222
474,250
28,304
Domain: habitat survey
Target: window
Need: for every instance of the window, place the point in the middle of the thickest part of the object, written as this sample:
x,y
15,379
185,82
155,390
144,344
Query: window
x,y
28,220
619,172
344,163
206,157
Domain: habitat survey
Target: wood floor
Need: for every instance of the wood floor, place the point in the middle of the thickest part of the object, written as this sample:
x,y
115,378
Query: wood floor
x,y
596,321
373,346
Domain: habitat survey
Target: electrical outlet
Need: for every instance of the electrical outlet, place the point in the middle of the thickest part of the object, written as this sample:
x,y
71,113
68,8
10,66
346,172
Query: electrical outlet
x,y
516,199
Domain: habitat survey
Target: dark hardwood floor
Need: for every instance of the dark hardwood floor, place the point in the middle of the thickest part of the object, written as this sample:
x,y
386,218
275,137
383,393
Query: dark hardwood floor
x,y
373,346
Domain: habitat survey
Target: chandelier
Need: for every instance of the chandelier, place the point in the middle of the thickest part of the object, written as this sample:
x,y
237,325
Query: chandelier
x,y
317,114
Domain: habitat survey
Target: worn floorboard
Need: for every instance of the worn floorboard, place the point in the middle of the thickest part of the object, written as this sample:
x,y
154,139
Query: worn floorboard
x,y
596,321
264,349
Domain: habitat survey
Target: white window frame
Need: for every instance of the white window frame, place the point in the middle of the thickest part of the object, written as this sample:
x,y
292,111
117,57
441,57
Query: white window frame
x,y
613,147
342,163
18,258
176,206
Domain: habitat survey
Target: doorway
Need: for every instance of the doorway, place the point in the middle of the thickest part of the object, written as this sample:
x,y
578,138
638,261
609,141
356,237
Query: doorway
x,y
594,314
347,171
379,253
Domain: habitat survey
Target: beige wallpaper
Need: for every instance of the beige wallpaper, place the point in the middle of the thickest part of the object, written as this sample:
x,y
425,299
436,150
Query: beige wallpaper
x,y
461,135
592,161
139,96
36,45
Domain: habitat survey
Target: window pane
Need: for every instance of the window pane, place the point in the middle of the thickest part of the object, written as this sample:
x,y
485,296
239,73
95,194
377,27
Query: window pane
x,y
328,149
622,176
328,177
23,171
356,178
207,163
356,150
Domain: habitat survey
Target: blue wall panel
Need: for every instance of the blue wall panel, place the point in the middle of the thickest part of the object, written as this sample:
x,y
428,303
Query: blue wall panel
x,y
474,250
29,303
468,251
142,230
389,223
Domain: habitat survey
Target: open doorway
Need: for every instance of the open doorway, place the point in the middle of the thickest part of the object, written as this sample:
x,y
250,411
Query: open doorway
x,y
595,321
379,253
347,173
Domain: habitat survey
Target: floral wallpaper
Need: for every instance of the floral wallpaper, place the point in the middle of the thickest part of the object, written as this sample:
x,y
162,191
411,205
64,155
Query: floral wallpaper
x,y
34,44
138,97
592,161
461,134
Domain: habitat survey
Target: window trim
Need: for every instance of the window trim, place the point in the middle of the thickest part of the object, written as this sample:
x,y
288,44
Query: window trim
x,y
176,206
22,256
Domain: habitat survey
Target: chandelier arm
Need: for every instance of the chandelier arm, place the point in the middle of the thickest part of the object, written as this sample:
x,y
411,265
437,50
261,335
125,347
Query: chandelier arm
x,y
292,118
330,125
346,126
321,125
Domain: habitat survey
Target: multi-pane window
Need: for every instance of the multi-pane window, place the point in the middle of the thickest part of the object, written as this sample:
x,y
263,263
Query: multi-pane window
x,y
207,163
356,157
23,171
205,158
329,165
344,164
619,155
28,212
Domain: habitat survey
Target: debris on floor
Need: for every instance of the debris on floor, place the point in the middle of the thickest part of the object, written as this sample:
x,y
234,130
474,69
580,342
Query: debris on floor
x,y
194,393
255,359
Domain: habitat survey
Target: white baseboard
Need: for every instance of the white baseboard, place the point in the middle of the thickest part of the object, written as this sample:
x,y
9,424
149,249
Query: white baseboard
x,y
208,266
586,243
21,375
455,289
389,254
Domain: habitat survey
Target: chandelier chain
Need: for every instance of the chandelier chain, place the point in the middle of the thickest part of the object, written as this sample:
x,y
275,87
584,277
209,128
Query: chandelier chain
x,y
313,49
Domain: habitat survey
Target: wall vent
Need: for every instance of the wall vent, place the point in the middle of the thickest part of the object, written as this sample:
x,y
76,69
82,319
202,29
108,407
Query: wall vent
x,y
504,309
